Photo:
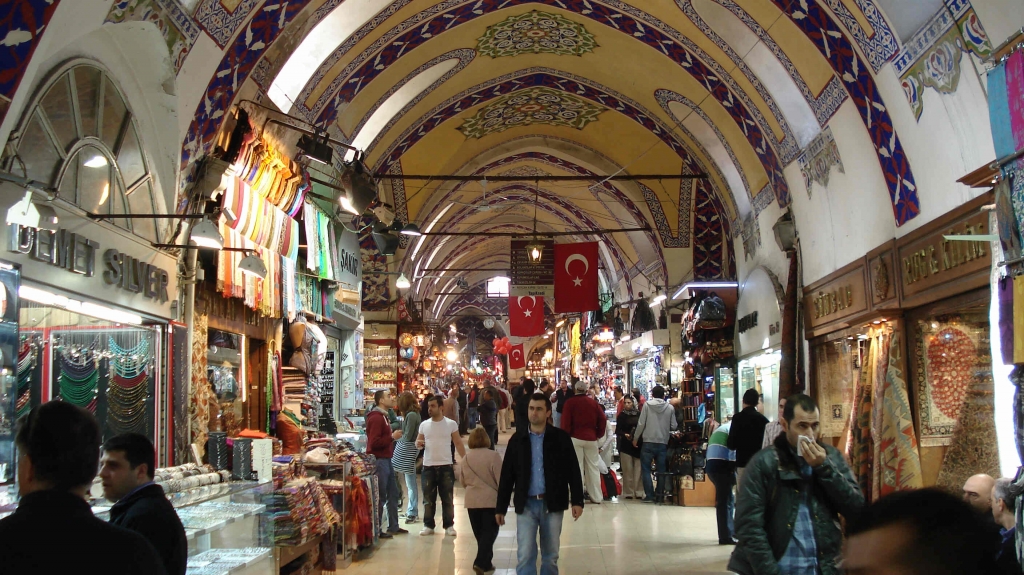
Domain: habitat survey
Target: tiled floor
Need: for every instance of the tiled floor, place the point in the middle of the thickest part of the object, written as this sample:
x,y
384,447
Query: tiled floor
x,y
612,538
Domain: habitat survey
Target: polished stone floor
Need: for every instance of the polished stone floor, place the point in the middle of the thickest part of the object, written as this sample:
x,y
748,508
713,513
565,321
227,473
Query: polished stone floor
x,y
626,537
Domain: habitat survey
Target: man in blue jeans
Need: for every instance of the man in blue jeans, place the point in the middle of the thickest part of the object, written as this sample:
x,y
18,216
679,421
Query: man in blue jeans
x,y
656,424
438,438
380,442
538,475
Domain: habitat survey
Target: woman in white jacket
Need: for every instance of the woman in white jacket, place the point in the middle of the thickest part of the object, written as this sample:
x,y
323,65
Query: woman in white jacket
x,y
480,472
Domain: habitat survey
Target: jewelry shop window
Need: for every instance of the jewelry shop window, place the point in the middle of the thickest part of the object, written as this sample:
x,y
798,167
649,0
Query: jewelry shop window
x,y
82,139
225,370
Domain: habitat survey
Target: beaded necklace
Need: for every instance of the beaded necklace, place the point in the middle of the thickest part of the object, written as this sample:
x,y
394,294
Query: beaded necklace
x,y
77,383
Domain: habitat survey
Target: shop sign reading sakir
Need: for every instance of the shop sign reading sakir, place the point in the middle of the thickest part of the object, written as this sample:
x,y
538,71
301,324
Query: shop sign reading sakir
x,y
76,253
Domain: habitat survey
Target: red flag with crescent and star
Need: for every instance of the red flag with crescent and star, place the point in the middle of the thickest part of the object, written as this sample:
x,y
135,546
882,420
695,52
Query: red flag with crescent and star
x,y
526,316
576,277
516,357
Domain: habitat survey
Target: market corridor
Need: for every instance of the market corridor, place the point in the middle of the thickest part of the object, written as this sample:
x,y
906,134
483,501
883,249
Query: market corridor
x,y
628,537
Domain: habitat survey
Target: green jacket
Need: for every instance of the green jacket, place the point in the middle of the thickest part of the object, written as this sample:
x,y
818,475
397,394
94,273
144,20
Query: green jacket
x,y
768,502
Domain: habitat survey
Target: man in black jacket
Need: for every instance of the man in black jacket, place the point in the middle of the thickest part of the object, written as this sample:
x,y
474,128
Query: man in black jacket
x,y
747,432
538,475
522,406
54,531
140,505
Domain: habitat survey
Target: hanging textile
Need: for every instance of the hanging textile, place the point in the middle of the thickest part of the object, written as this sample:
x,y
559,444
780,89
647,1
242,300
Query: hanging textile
x,y
264,295
1006,115
277,178
859,447
897,461
252,216
289,289
321,250
202,392
313,246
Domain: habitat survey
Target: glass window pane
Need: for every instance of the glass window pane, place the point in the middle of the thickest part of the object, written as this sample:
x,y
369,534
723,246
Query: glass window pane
x,y
119,205
37,151
141,202
57,106
69,185
94,183
114,113
87,82
129,159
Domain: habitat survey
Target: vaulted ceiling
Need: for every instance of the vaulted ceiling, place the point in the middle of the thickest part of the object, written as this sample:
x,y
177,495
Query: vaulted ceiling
x,y
733,89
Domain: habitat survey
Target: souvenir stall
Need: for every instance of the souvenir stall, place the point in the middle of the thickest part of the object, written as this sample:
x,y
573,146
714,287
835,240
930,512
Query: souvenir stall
x,y
759,338
347,331
708,342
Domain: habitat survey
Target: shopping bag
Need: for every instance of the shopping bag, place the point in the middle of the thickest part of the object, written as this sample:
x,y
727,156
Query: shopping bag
x,y
610,486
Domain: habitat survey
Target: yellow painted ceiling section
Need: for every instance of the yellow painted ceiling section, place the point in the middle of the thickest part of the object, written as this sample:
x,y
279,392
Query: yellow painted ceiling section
x,y
445,149
812,66
668,12
619,62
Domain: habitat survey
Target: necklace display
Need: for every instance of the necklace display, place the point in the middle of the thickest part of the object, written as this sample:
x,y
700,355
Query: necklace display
x,y
129,387
78,380
27,356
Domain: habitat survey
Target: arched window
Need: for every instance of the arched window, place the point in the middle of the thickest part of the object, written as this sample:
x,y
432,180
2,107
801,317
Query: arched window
x,y
82,139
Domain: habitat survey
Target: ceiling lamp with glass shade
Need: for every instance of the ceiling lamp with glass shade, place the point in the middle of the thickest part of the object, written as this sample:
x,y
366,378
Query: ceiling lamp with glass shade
x,y
205,234
402,282
31,214
411,229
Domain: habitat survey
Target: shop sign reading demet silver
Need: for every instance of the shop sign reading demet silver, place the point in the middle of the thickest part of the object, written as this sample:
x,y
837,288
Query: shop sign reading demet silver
x,y
77,254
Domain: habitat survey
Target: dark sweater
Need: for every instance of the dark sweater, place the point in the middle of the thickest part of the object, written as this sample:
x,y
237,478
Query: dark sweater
x,y
747,434
561,472
55,533
626,424
149,513
488,413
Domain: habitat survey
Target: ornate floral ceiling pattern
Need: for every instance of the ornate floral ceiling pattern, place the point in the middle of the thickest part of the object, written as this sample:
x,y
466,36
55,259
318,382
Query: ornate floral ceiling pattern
x,y
538,105
536,32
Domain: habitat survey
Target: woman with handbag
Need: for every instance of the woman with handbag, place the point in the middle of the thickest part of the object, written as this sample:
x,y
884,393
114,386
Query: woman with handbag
x,y
629,455
406,452
480,472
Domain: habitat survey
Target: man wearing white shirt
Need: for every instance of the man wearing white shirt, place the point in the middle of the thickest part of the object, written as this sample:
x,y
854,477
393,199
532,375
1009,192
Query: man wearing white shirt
x,y
437,435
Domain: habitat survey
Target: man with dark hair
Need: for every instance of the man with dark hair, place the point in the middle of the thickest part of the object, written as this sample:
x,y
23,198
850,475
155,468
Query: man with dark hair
x,y
920,532
1004,511
747,432
562,394
126,470
437,436
522,406
787,512
655,426
380,442
58,451
541,477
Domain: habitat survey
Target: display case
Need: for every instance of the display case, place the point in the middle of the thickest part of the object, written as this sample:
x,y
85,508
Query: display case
x,y
725,392
14,384
222,525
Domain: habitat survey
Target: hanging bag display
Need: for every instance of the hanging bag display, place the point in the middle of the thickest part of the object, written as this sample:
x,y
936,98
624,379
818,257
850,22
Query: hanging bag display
x,y
711,312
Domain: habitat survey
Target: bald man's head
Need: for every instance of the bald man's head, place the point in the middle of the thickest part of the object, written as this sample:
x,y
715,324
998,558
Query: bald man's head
x,y
975,491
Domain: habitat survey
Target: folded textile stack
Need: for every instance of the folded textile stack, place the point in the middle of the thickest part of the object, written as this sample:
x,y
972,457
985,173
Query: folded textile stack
x,y
286,468
297,512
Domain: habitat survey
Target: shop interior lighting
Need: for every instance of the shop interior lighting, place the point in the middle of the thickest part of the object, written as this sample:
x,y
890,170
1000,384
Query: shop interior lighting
x,y
560,323
253,265
206,235
601,350
97,161
703,286
452,355
402,282
97,311
551,332
31,214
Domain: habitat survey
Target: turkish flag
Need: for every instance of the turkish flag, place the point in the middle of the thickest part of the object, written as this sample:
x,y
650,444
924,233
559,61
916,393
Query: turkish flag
x,y
576,277
516,357
526,316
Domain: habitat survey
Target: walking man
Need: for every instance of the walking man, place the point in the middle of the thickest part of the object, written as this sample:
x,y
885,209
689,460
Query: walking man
x,y
774,428
562,394
787,514
504,401
584,420
540,477
747,432
721,469
126,471
657,422
380,442
437,436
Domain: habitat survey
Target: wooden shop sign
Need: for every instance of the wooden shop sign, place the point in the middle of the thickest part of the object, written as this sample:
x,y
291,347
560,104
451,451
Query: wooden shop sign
x,y
932,267
836,297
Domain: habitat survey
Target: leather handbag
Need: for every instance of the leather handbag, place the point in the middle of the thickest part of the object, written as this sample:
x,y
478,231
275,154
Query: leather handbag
x,y
711,312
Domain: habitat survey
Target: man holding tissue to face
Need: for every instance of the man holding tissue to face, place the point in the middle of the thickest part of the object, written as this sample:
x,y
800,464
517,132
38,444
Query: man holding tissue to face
x,y
788,508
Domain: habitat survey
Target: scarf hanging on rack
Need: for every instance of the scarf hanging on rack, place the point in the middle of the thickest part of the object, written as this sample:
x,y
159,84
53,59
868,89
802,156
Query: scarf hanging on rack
x,y
263,295
313,246
258,220
897,463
